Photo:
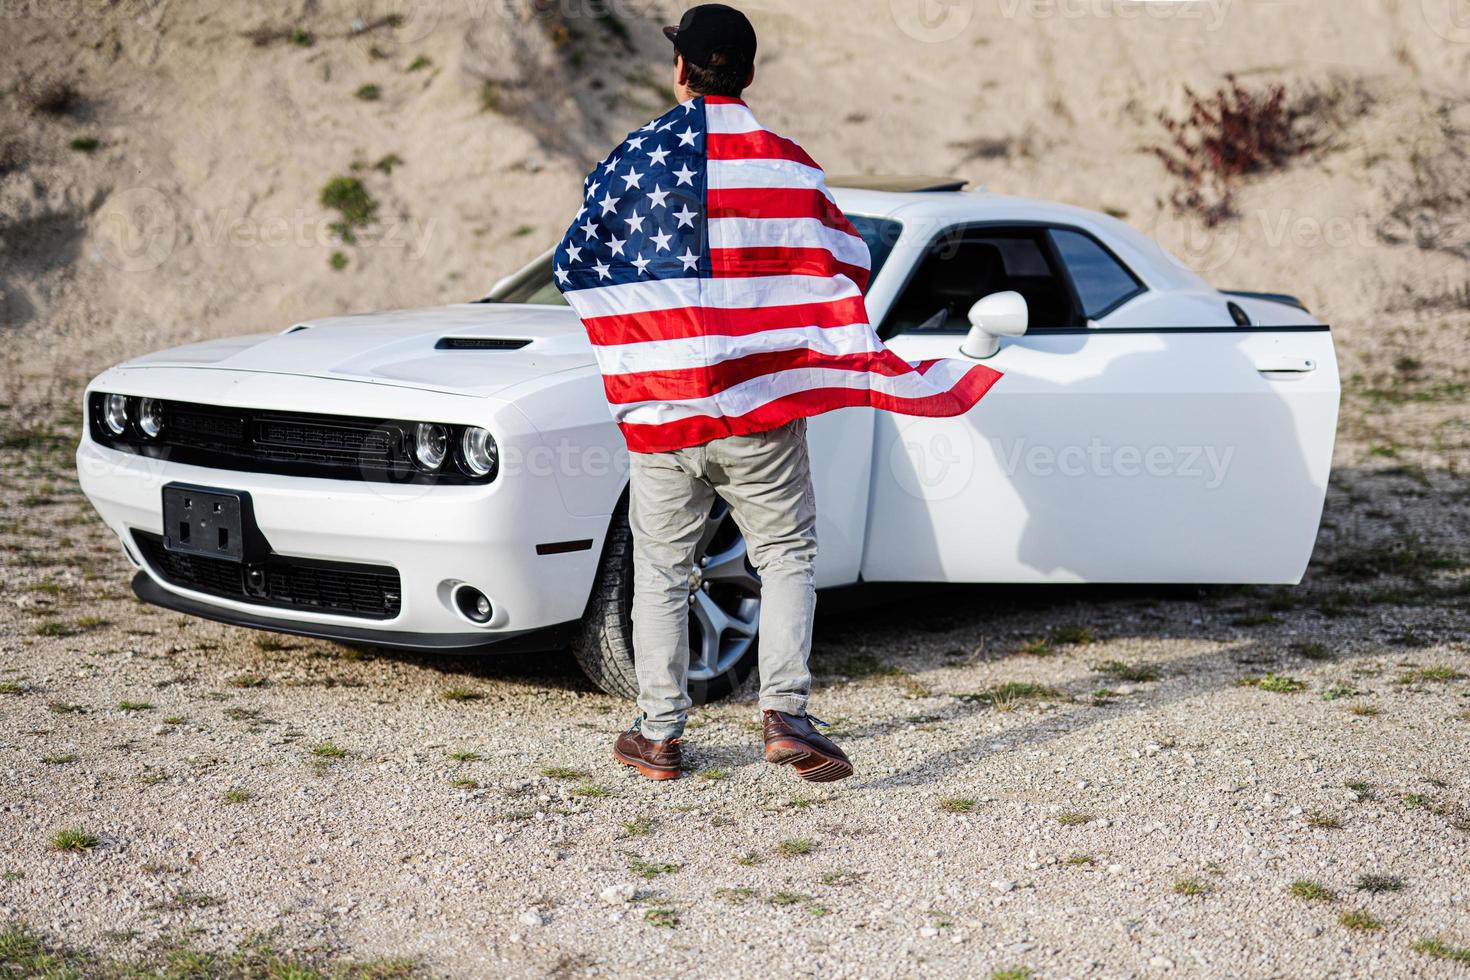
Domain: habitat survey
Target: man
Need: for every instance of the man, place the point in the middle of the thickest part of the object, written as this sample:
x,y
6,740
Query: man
x,y
721,288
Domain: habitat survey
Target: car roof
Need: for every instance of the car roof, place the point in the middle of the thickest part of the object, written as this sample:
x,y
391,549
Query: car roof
x,y
924,214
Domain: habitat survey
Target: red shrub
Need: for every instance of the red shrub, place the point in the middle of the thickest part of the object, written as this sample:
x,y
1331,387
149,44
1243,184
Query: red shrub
x,y
1223,137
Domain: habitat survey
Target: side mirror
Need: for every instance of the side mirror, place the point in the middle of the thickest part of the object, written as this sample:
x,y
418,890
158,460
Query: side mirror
x,y
991,318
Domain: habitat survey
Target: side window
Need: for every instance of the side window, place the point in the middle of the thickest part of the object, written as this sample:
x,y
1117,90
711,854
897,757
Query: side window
x,y
880,235
1101,281
964,265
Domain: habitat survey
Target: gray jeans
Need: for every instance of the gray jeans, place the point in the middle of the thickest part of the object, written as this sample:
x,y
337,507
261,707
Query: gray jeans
x,y
767,481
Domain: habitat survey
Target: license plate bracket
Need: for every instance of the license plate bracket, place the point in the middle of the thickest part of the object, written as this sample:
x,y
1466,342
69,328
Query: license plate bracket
x,y
208,522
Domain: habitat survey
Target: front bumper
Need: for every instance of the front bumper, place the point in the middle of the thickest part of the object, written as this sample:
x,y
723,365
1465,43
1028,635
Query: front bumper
x,y
549,638
493,537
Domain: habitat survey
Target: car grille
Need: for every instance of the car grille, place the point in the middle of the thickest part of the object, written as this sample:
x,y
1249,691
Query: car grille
x,y
369,591
273,437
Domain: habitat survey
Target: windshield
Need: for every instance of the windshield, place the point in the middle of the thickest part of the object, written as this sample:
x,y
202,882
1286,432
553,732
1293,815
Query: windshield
x,y
534,285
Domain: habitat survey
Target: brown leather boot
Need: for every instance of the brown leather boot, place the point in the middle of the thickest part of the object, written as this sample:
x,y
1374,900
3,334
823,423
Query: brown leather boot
x,y
792,741
655,760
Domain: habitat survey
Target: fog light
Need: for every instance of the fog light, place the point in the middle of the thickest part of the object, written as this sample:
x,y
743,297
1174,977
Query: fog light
x,y
478,451
473,604
115,414
430,445
150,418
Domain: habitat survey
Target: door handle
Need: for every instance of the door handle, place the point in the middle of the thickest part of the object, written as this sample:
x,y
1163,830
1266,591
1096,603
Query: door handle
x,y
1277,366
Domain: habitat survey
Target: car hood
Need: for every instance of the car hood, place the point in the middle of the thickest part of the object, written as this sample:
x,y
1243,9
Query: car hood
x,y
472,348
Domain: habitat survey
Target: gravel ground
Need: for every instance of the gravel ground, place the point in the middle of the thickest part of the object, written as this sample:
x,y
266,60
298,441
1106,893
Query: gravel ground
x,y
1070,781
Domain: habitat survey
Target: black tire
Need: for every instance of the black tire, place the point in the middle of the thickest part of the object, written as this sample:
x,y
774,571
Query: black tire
x,y
604,647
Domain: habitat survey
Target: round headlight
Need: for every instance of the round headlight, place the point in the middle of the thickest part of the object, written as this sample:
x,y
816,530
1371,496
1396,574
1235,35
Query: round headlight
x,y
430,445
479,451
150,418
115,414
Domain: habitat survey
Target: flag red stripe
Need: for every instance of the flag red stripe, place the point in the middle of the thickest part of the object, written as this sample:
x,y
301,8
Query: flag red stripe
x,y
761,144
633,328
778,202
701,382
771,260
703,428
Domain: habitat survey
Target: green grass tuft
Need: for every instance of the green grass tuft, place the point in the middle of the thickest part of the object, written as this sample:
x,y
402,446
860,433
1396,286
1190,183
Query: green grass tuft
x,y
796,846
786,898
736,896
1359,920
593,790
1442,950
1191,886
1073,818
329,750
1132,673
1011,973
1324,821
1439,674
650,869
661,917
1079,636
73,839
562,772
369,93
1275,683
1312,651
1006,696
238,796
349,198
957,804
638,827
1312,891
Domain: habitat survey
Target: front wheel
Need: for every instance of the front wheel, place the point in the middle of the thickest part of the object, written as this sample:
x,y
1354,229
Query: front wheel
x,y
724,612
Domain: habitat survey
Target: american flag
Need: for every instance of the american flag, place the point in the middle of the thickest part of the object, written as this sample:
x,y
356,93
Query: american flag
x,y
722,288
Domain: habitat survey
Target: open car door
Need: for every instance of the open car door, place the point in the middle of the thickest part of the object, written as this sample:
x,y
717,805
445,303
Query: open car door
x,y
1176,453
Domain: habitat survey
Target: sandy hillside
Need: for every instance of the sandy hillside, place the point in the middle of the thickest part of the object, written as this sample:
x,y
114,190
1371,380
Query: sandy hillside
x,y
1099,782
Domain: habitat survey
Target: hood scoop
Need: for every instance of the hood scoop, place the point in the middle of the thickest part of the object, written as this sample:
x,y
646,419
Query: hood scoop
x,y
481,343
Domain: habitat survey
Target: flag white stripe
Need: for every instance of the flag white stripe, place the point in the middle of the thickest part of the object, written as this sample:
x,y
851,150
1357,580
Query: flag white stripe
x,y
723,294
787,233
749,395
730,174
730,118
695,352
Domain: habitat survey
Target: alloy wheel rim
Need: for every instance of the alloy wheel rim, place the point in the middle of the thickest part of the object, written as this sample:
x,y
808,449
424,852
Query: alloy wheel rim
x,y
724,598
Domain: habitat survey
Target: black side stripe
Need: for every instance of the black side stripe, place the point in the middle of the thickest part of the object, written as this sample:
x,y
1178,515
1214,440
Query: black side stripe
x,y
563,547
1231,328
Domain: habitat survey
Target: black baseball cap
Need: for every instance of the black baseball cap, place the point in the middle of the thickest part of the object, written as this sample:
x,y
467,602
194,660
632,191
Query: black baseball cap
x,y
710,28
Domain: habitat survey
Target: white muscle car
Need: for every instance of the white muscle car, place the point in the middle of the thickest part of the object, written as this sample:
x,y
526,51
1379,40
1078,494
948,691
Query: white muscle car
x,y
450,479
